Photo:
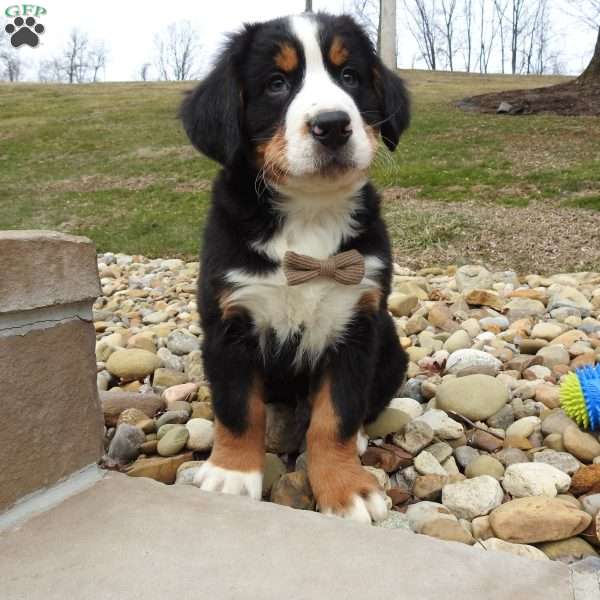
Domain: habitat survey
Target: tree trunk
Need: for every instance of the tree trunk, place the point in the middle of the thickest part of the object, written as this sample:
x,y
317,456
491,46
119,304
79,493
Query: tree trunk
x,y
308,6
387,33
592,73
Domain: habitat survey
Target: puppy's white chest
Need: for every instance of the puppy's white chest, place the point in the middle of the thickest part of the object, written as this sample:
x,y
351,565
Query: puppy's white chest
x,y
315,313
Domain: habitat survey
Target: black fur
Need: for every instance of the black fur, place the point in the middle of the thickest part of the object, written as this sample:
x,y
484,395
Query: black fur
x,y
225,117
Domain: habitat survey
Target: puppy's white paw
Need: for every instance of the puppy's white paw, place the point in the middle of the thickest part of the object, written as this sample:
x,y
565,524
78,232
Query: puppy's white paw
x,y
362,510
212,478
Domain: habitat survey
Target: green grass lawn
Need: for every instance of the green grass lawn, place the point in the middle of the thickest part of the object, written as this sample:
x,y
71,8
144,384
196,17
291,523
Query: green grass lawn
x,y
110,161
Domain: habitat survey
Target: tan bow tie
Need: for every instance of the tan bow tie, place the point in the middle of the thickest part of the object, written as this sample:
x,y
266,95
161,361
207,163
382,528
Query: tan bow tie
x,y
347,268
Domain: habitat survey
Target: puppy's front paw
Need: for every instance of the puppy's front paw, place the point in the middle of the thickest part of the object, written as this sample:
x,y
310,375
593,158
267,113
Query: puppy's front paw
x,y
212,478
349,492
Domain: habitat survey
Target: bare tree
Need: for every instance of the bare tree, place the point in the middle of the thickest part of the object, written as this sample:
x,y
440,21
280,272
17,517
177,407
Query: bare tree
x,y
387,33
487,35
516,29
51,71
423,28
96,61
308,6
177,49
587,11
592,73
468,23
366,12
74,61
537,38
144,71
448,13
11,63
501,7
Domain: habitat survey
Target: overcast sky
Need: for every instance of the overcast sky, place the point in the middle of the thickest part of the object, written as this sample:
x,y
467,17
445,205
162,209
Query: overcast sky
x,y
127,27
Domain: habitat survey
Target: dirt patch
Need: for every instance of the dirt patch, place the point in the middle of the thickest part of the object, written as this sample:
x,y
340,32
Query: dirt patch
x,y
569,99
542,237
185,151
196,185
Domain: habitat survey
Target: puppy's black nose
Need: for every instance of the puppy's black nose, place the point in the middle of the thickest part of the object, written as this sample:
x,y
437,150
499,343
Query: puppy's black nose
x,y
331,128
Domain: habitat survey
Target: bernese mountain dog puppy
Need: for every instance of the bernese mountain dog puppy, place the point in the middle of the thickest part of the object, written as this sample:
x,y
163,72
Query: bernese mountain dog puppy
x,y
296,262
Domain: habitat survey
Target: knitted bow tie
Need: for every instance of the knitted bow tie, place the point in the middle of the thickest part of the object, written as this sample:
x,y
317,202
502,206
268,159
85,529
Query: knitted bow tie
x,y
347,268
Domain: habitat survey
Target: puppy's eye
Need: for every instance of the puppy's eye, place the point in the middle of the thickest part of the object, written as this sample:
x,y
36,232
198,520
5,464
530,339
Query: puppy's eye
x,y
277,85
350,77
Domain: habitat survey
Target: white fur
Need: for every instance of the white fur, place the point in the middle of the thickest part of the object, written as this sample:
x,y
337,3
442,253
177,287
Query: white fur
x,y
322,307
319,93
211,478
362,510
362,441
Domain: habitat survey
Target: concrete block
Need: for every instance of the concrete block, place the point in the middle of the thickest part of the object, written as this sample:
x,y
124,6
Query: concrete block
x,y
51,419
45,268
52,423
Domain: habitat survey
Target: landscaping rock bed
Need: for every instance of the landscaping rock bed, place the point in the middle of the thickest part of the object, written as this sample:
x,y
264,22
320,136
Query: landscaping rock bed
x,y
475,449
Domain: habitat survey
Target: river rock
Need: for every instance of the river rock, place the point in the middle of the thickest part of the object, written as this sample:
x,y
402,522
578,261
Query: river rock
x,y
459,340
570,297
416,436
535,479
181,342
445,529
524,427
586,479
293,489
443,426
582,445
469,277
476,397
420,513
426,464
561,460
485,465
465,455
402,305
512,456
554,355
132,364
125,445
274,469
185,392
391,420
537,519
469,361
568,550
163,469
524,550
407,405
201,434
173,441
172,417
473,497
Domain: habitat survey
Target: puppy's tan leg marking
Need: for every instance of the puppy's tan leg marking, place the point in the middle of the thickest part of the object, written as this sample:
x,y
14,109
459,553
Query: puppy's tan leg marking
x,y
341,486
236,463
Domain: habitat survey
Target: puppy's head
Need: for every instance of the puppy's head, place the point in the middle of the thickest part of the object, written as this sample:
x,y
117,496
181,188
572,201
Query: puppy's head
x,y
302,98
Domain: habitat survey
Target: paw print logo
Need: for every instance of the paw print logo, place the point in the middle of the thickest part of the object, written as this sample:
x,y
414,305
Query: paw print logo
x,y
24,31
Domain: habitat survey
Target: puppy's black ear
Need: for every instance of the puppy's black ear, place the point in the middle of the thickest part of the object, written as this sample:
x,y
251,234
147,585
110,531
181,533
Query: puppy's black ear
x,y
395,105
212,113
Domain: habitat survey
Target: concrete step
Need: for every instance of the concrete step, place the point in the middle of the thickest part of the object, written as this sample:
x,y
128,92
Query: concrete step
x,y
133,538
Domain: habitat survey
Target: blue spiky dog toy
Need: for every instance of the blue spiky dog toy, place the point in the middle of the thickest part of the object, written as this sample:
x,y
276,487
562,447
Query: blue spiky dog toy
x,y
580,397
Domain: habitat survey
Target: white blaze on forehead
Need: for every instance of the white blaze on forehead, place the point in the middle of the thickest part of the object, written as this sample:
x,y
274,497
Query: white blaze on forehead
x,y
319,93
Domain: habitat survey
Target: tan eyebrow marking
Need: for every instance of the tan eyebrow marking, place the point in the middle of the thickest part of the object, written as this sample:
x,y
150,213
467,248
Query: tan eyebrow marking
x,y
287,58
338,54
